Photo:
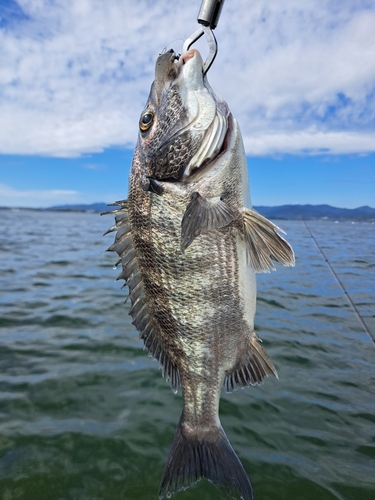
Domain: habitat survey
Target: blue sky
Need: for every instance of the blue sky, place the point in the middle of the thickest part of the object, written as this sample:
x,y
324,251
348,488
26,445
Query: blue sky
x,y
299,78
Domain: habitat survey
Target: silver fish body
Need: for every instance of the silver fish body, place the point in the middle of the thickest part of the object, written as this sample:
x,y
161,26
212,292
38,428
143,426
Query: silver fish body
x,y
190,246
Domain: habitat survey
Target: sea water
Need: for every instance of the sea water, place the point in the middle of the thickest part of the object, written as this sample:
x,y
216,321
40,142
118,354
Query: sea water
x,y
86,415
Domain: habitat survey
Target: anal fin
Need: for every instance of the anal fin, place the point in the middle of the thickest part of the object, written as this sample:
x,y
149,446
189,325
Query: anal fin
x,y
202,216
252,368
264,244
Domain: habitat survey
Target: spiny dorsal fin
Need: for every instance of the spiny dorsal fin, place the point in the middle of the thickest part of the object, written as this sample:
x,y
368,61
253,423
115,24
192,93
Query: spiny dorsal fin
x,y
202,216
124,247
264,243
122,203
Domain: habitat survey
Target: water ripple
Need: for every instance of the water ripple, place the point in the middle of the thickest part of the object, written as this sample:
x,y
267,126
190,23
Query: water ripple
x,y
85,414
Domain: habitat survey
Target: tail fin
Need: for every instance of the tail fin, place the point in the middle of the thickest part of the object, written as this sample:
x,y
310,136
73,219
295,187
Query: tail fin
x,y
210,456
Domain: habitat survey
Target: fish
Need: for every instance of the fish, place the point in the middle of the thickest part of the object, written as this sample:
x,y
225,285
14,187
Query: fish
x,y
190,246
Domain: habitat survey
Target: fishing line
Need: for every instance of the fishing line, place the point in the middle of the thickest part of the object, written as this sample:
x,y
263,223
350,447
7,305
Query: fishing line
x,y
357,313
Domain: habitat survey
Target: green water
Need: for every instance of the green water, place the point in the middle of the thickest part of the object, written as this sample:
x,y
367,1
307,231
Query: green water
x,y
85,414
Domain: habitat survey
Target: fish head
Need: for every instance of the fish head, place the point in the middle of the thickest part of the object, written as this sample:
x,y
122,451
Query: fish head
x,y
183,124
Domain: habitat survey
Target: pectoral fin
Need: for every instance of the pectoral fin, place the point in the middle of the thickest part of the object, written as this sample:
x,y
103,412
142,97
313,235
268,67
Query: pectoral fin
x,y
264,244
202,216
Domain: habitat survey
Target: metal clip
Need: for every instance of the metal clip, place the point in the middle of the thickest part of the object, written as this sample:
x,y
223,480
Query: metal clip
x,y
212,44
208,17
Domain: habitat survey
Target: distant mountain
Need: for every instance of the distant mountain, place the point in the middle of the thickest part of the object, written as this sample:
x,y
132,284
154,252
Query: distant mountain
x,y
309,212
306,212
291,212
95,207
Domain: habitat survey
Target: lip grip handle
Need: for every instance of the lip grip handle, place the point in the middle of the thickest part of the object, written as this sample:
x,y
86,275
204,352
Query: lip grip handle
x,y
210,12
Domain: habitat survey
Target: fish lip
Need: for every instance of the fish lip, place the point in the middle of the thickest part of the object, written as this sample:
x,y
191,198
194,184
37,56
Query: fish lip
x,y
186,56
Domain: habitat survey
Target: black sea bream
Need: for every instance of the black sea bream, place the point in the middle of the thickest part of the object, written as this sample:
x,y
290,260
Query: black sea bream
x,y
190,246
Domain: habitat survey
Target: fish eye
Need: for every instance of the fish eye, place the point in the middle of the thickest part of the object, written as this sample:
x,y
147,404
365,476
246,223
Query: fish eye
x,y
146,120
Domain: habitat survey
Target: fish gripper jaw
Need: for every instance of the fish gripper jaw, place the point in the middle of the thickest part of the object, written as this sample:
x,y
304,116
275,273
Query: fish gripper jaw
x,y
208,18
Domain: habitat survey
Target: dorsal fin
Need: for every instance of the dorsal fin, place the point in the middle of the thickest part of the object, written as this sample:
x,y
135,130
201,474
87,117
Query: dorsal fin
x,y
124,247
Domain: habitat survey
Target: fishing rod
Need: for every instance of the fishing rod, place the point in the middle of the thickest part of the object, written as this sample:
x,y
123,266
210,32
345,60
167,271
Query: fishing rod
x,y
346,293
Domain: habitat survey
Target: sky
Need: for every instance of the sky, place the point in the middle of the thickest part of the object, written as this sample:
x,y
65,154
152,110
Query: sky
x,y
298,76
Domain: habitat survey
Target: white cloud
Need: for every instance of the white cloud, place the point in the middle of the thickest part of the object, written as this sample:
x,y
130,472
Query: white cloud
x,y
42,198
309,141
74,76
36,197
